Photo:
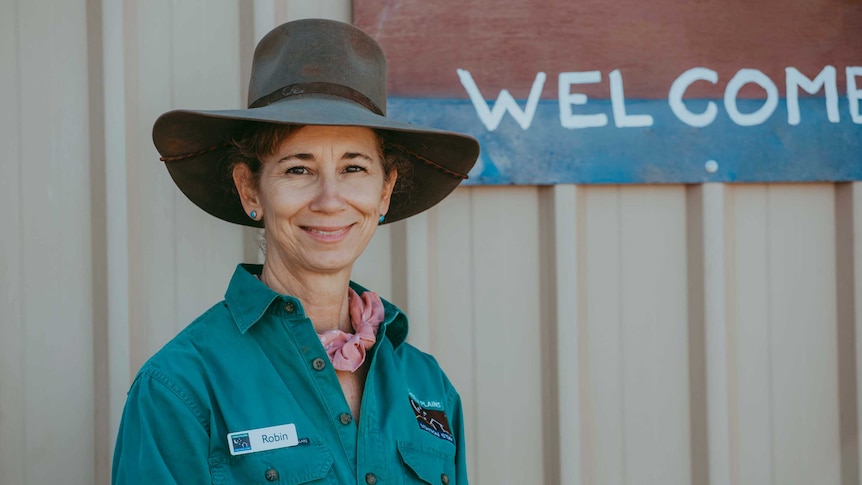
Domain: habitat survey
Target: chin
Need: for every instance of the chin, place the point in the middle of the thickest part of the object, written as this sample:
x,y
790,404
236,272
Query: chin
x,y
329,265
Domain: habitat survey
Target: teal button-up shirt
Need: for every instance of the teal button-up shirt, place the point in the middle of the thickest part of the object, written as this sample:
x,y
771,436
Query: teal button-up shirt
x,y
246,394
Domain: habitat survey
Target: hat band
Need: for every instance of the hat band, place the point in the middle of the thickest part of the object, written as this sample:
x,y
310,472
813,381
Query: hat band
x,y
318,88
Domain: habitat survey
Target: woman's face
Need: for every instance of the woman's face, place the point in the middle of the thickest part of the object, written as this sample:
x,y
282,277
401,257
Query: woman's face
x,y
321,195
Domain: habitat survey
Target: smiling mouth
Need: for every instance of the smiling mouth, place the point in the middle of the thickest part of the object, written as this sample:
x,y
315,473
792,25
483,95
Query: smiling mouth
x,y
326,233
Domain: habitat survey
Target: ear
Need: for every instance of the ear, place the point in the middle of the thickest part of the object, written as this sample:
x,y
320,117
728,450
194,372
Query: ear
x,y
246,187
388,187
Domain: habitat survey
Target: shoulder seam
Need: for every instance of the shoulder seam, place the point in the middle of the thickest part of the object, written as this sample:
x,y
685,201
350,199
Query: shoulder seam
x,y
179,392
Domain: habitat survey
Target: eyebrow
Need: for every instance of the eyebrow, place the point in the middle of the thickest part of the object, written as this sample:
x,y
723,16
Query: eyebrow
x,y
352,155
299,156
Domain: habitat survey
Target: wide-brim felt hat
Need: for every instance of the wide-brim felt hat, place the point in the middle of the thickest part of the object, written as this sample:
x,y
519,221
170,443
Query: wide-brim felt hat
x,y
310,72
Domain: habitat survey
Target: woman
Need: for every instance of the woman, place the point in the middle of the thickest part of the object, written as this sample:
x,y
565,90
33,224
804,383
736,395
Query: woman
x,y
300,375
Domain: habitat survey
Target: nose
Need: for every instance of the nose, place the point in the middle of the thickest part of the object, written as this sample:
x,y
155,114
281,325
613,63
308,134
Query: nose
x,y
328,197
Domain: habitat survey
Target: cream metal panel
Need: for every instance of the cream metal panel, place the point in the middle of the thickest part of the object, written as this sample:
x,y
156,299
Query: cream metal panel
x,y
450,300
46,278
849,266
175,58
13,387
507,325
635,417
564,257
785,334
598,335
749,365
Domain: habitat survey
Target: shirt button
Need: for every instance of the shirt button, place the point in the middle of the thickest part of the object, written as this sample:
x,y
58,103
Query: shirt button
x,y
271,475
345,418
444,479
289,307
318,364
370,478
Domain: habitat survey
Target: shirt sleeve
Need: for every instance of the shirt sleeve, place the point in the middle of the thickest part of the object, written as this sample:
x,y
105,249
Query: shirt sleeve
x,y
161,438
457,425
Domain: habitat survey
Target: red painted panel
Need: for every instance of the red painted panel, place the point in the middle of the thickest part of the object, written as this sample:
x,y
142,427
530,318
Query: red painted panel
x,y
504,43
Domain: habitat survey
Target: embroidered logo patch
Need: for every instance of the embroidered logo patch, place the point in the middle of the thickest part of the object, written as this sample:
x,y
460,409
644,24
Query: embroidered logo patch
x,y
240,442
432,418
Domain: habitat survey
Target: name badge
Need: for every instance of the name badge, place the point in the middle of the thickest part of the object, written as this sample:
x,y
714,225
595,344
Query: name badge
x,y
262,439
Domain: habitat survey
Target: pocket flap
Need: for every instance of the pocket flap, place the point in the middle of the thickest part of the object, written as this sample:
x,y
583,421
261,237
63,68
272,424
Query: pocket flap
x,y
287,466
428,463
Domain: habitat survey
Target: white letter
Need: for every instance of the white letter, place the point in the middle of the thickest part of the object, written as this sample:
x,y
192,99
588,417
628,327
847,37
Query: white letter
x,y
567,99
677,91
826,80
854,94
618,101
505,102
743,77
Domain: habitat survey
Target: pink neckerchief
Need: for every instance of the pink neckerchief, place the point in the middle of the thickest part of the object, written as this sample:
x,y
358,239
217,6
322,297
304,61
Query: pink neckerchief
x,y
347,350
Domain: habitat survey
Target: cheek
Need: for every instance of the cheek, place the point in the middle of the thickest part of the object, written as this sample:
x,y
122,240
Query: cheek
x,y
369,193
281,201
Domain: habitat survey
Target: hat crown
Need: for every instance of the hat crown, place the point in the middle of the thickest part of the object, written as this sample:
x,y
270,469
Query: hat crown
x,y
320,52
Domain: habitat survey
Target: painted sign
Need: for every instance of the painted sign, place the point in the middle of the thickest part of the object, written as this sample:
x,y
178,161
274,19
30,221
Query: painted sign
x,y
622,91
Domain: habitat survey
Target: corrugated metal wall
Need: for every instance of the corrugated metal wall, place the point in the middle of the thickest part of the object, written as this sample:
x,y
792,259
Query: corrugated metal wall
x,y
598,335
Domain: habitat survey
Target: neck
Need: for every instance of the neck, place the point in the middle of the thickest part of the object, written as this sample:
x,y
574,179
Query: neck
x,y
323,296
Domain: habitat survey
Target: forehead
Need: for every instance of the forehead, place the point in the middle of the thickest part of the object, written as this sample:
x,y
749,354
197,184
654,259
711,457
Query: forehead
x,y
348,138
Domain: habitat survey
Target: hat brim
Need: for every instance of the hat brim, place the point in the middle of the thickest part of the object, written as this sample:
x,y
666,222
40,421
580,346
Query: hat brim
x,y
198,140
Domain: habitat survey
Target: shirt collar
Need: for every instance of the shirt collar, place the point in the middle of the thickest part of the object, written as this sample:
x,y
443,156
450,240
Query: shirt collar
x,y
248,299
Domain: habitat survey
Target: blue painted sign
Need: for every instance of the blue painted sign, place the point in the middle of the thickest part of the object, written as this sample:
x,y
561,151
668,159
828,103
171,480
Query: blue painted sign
x,y
580,140
621,91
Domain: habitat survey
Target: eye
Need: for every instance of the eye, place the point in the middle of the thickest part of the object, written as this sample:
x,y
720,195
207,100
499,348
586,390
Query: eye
x,y
355,169
298,170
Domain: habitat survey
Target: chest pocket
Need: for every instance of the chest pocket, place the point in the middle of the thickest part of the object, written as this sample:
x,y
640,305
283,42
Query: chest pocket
x,y
427,465
284,466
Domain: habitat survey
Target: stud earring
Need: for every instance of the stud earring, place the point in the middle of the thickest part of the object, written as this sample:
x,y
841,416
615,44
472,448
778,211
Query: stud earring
x,y
253,215
382,218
